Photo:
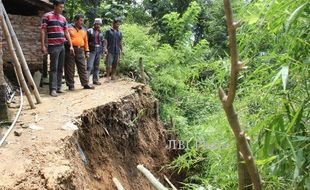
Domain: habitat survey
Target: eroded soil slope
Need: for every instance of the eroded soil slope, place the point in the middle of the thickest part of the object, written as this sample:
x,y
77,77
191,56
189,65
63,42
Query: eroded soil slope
x,y
118,129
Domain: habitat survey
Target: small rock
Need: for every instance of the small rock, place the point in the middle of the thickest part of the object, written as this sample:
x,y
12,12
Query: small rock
x,y
17,133
97,177
24,126
35,127
13,106
69,126
33,137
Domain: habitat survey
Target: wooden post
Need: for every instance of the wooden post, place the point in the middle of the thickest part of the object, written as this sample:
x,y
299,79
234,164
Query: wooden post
x,y
141,70
17,66
171,122
21,56
227,100
156,104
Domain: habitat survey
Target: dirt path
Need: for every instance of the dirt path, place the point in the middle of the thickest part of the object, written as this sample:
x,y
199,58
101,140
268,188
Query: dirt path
x,y
41,129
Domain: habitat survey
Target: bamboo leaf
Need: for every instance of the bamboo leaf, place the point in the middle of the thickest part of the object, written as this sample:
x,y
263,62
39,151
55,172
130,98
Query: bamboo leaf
x,y
267,144
266,161
307,182
298,163
297,118
252,19
300,158
284,73
274,81
294,16
301,138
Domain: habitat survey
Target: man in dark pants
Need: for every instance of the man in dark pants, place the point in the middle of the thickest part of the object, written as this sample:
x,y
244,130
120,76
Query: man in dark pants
x,y
55,25
113,47
79,40
95,42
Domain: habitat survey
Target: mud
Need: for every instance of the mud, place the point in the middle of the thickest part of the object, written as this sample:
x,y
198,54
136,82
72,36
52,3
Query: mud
x,y
111,140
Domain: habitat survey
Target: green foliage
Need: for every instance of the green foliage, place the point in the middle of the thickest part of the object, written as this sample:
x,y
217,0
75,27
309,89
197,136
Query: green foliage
x,y
212,26
136,44
138,15
73,7
180,29
107,10
272,100
185,72
278,56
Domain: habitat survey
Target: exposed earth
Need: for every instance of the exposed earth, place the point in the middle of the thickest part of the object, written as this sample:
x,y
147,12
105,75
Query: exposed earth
x,y
82,139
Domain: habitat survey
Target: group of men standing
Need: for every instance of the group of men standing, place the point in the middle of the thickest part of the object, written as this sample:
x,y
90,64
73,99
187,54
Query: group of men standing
x,y
71,45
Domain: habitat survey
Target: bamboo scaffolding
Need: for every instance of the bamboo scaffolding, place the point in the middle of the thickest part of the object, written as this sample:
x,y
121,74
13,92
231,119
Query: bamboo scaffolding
x,y
17,66
21,56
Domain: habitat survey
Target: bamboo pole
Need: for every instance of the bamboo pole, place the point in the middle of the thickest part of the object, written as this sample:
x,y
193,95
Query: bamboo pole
x,y
151,178
227,100
15,60
169,182
118,184
21,56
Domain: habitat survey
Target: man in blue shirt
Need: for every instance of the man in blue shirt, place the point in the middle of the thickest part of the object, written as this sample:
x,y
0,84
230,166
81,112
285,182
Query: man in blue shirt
x,y
113,47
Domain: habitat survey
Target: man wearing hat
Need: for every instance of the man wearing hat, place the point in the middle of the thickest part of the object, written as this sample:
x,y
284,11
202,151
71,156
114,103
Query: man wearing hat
x,y
55,26
96,44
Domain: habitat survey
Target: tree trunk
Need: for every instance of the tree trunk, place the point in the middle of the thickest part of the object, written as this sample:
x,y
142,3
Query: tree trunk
x,y
244,179
244,150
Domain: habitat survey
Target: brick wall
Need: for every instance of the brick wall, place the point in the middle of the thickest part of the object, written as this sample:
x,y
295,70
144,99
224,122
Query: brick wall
x,y
28,33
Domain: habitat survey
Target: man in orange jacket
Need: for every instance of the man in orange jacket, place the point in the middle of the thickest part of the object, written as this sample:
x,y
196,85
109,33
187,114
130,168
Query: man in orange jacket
x,y
78,36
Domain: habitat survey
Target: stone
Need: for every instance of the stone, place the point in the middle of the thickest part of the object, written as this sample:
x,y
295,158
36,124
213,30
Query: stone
x,y
17,133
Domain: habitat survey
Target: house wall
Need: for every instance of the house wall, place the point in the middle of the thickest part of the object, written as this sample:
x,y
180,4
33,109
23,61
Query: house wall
x,y
28,33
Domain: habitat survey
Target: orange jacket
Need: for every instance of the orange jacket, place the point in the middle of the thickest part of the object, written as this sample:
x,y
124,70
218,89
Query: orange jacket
x,y
78,37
